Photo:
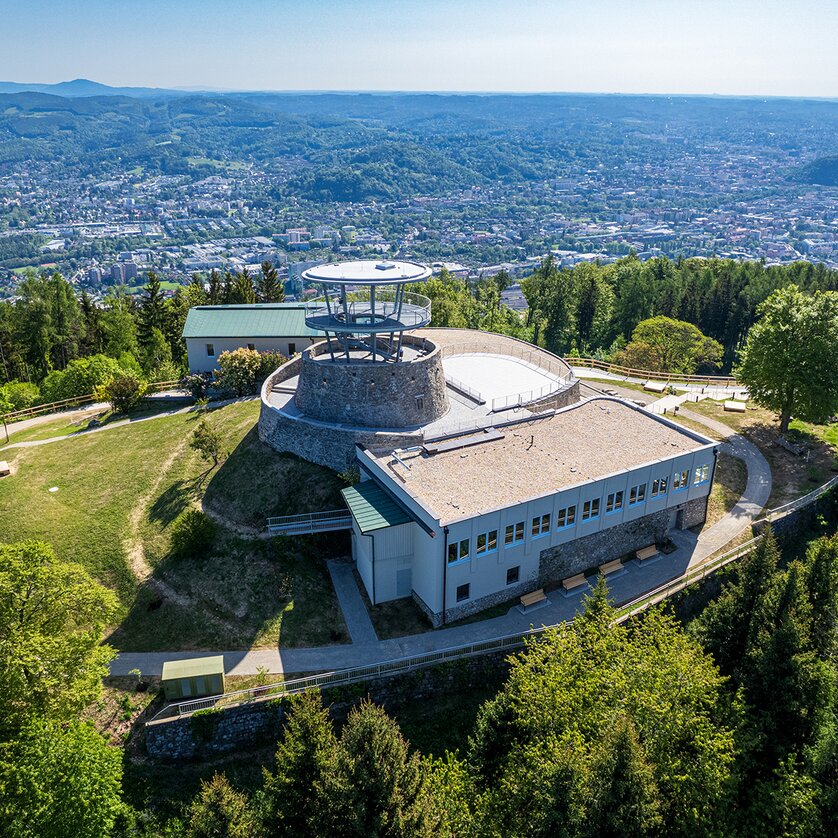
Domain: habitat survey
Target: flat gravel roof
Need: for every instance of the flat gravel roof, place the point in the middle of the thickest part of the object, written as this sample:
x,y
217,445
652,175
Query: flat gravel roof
x,y
581,443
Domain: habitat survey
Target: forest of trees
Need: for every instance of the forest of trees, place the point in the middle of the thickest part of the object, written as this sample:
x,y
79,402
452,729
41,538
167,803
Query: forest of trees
x,y
55,345
721,726
688,316
593,309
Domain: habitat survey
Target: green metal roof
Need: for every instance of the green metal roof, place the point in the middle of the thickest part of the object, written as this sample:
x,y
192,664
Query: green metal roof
x,y
373,507
261,320
193,668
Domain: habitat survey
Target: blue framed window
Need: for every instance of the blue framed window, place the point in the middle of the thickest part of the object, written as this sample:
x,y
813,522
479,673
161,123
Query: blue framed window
x,y
540,525
514,533
487,542
637,494
680,480
659,487
590,509
566,517
614,502
458,551
701,475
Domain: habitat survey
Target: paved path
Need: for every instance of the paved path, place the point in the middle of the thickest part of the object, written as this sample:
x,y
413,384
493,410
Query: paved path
x,y
625,586
355,613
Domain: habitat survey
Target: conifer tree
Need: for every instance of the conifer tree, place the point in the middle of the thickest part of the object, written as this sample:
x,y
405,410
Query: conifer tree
x,y
622,792
294,799
268,287
379,787
219,811
243,292
822,583
215,292
152,312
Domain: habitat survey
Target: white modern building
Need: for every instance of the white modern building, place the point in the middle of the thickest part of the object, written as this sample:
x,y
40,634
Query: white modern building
x,y
462,523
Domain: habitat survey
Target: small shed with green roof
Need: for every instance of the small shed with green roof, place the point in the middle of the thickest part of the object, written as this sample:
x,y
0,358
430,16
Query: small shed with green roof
x,y
193,678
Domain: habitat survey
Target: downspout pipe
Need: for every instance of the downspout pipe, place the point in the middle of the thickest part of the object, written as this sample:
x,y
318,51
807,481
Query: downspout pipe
x,y
444,571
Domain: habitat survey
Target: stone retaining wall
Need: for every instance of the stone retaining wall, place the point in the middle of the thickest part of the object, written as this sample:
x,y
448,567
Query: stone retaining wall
x,y
222,731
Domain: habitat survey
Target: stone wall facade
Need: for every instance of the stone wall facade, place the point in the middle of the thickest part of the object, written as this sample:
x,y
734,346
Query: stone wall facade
x,y
380,395
460,612
557,563
222,731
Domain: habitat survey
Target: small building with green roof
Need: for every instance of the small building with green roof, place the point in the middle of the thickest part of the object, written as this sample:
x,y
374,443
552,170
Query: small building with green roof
x,y
193,678
265,327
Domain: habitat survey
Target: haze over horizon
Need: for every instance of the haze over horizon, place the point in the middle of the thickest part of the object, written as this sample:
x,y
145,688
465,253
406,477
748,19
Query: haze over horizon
x,y
689,47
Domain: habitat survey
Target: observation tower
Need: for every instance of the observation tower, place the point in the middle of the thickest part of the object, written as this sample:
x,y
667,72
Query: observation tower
x,y
365,308
371,369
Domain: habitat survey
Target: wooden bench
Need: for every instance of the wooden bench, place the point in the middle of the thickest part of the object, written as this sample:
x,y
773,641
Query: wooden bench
x,y
533,598
610,567
4,468
647,552
655,386
734,407
574,581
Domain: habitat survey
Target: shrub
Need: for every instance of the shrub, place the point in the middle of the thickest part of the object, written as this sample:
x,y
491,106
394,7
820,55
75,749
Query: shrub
x,y
206,440
197,384
239,370
20,394
270,361
79,378
193,533
124,391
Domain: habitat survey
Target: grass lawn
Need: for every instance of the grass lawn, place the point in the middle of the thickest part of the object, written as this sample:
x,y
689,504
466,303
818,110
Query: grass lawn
x,y
792,475
728,485
127,485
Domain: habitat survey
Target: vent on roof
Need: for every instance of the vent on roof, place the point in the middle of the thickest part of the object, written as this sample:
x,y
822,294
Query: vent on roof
x,y
385,266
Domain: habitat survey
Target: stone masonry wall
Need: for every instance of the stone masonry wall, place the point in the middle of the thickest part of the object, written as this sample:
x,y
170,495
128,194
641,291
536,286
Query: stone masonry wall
x,y
557,563
327,445
222,731
380,395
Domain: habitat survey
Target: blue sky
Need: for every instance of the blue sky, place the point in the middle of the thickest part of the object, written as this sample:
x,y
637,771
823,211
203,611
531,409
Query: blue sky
x,y
756,47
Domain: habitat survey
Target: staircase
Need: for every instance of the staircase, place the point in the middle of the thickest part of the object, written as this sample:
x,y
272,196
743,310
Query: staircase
x,y
311,522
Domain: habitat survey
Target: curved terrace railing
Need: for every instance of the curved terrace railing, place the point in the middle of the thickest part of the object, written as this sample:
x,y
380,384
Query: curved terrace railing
x,y
510,642
389,310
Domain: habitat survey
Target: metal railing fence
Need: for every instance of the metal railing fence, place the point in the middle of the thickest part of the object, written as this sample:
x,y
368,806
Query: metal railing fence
x,y
310,522
630,372
513,641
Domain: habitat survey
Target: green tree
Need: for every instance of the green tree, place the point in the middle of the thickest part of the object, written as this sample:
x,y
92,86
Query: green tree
x,y
219,811
536,743
59,781
725,626
379,788
294,798
192,533
80,378
215,292
52,615
662,344
152,315
119,325
242,292
207,441
790,359
622,796
595,307
822,585
268,287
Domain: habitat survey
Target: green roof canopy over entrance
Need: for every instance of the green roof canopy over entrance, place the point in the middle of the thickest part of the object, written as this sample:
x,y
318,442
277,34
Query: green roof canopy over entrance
x,y
373,507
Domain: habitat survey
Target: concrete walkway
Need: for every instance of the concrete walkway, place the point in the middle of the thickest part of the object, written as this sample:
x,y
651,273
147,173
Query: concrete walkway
x,y
355,613
625,586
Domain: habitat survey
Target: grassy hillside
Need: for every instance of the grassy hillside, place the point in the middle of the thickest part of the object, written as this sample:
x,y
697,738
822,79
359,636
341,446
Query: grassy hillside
x,y
118,492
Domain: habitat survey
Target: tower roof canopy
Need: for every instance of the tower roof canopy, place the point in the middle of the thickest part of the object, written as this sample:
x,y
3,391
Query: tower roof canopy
x,y
367,272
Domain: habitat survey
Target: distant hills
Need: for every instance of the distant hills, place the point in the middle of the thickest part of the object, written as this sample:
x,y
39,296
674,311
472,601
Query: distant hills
x,y
823,171
85,87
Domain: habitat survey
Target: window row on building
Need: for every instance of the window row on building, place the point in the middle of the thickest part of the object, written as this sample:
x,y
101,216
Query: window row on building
x,y
487,542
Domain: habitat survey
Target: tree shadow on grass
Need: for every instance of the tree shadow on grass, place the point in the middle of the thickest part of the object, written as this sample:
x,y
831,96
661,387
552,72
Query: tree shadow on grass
x,y
256,482
174,500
